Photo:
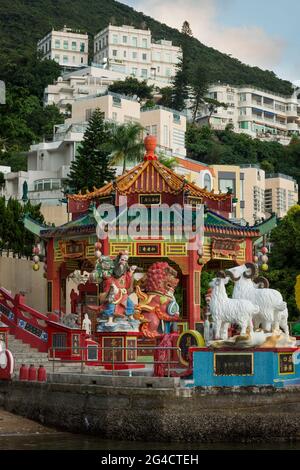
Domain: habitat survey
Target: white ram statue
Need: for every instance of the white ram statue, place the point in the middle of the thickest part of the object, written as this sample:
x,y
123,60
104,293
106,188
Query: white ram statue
x,y
272,309
229,311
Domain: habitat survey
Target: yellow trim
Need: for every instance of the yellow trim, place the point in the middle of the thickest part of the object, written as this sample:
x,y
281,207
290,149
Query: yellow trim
x,y
175,249
286,373
200,343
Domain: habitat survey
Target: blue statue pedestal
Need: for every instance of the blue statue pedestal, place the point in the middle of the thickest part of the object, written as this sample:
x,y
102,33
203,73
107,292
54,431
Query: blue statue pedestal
x,y
276,367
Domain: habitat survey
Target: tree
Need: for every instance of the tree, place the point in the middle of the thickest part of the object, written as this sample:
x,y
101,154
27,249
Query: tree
x,y
132,87
199,90
284,259
169,162
180,85
166,97
186,29
92,167
127,144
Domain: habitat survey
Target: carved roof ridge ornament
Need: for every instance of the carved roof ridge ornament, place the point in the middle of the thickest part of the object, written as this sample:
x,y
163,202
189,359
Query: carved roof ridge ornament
x,y
150,143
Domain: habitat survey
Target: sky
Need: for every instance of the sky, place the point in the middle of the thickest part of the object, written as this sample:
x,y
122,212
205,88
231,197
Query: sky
x,y
260,32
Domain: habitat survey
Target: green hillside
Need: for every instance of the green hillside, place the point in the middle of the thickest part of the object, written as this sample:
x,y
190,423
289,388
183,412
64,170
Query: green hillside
x,y
23,22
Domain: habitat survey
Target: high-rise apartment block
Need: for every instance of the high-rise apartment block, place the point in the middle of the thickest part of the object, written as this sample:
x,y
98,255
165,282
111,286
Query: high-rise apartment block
x,y
258,113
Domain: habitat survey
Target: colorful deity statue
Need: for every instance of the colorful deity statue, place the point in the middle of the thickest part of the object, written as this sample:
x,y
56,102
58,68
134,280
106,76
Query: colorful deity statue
x,y
116,308
157,308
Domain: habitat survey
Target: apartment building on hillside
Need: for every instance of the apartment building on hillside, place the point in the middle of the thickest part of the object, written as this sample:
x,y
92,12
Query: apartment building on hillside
x,y
281,193
258,113
168,126
116,108
133,52
67,47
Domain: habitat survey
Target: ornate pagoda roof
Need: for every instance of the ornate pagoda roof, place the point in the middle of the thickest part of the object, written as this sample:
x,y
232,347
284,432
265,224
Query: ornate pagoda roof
x,y
213,222
149,177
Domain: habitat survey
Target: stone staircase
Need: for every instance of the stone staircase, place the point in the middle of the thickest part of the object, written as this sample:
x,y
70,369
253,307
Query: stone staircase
x,y
25,354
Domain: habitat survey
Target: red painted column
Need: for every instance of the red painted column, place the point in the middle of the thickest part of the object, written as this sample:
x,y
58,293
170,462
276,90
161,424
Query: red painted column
x,y
249,250
194,289
53,276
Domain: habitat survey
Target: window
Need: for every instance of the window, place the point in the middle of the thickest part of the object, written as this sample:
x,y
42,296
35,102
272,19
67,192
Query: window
x,y
144,73
115,52
224,184
114,116
144,56
168,72
82,47
65,59
74,59
57,58
117,103
134,41
124,39
124,54
74,45
81,60
134,55
66,44
157,56
59,340
168,57
134,71
144,42
57,43
88,114
154,130
115,39
207,181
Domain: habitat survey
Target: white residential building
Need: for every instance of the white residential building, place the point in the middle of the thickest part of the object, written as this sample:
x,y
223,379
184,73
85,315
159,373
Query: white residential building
x,y
132,52
258,113
116,108
67,47
168,126
93,80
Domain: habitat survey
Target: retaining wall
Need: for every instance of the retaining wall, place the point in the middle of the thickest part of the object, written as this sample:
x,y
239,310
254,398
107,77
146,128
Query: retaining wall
x,y
130,408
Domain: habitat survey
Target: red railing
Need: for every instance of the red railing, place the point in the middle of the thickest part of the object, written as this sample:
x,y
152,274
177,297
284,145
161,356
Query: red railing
x,y
26,323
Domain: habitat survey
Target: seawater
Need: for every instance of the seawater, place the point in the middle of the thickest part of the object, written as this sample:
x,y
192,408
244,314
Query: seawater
x,y
68,441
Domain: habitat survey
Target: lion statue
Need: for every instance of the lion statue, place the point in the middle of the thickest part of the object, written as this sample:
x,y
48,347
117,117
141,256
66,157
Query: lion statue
x,y
157,307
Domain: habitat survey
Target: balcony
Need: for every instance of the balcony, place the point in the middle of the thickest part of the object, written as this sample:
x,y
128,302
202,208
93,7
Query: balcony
x,y
292,126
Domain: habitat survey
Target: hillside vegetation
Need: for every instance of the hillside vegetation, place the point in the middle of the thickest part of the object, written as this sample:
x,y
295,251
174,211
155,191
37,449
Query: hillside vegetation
x,y
23,22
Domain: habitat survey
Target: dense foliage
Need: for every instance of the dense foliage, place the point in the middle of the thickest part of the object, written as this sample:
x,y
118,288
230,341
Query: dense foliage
x,y
23,119
13,235
23,22
284,258
132,87
229,148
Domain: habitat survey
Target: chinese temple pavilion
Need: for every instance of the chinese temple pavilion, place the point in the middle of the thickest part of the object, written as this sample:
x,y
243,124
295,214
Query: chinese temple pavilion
x,y
71,246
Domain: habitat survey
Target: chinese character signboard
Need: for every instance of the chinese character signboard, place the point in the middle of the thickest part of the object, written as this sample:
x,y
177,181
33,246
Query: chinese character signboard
x,y
233,364
286,363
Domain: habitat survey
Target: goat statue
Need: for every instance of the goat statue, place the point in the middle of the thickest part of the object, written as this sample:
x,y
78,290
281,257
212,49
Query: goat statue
x,y
229,311
272,312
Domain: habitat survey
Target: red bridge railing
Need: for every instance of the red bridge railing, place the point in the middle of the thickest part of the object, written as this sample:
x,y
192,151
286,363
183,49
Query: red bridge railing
x,y
25,323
